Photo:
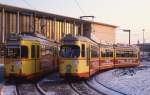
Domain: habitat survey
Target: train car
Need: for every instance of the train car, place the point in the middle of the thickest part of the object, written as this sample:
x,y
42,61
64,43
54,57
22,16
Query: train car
x,y
106,56
82,57
79,57
29,56
126,56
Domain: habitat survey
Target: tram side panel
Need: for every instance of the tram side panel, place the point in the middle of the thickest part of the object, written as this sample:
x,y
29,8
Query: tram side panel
x,y
84,61
48,59
94,59
106,58
29,58
126,57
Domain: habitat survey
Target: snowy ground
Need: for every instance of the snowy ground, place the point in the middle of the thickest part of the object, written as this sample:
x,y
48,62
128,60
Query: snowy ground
x,y
130,81
8,90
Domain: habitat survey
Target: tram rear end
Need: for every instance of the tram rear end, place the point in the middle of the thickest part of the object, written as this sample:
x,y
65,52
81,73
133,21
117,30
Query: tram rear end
x,y
127,56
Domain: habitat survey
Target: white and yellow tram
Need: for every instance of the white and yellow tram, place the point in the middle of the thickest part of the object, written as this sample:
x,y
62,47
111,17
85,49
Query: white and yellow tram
x,y
82,57
29,56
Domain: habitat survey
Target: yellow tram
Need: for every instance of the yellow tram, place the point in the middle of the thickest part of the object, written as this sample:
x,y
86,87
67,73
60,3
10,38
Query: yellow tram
x,y
82,57
29,56
76,56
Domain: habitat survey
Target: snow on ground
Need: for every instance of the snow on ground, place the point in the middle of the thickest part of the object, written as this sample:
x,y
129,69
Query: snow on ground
x,y
131,81
8,90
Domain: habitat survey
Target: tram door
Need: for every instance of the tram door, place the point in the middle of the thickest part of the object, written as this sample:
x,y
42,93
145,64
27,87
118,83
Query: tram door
x,y
88,57
54,63
35,57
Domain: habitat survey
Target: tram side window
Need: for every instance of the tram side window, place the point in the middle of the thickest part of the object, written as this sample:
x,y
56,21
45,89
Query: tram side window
x,y
38,51
120,53
55,51
33,51
83,50
107,53
24,52
132,54
12,52
51,49
46,49
135,54
94,51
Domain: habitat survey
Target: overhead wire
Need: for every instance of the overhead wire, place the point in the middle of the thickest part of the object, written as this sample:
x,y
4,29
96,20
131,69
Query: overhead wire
x,y
81,9
28,4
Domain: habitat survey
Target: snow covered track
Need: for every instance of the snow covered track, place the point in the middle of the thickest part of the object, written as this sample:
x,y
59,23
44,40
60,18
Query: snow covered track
x,y
121,93
94,83
9,90
28,89
81,88
17,90
40,89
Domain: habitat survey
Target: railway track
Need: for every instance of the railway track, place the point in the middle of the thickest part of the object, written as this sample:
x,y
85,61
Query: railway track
x,y
82,88
69,88
9,90
52,86
101,88
29,89
120,93
21,89
57,86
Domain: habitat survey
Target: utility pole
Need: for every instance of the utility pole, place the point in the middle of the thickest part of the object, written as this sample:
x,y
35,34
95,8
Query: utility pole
x,y
143,40
143,36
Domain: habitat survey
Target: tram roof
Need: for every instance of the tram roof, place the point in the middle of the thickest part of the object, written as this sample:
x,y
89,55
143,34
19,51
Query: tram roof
x,y
125,46
77,38
29,36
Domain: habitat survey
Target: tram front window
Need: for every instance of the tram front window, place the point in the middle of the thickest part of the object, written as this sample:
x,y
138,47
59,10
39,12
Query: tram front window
x,y
12,52
70,51
15,51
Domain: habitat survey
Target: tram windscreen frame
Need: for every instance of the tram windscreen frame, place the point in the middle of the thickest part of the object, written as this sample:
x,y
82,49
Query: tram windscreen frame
x,y
16,51
70,51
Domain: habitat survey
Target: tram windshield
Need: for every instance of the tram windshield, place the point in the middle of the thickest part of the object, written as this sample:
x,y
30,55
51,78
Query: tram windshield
x,y
70,51
16,52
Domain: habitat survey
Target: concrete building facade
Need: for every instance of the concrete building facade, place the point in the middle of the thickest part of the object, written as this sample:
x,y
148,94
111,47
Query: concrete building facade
x,y
54,27
101,33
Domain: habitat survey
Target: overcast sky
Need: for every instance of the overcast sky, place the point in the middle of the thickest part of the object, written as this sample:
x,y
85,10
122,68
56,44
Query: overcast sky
x,y
127,14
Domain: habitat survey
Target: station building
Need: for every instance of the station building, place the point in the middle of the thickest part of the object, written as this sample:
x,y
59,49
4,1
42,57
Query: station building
x,y
54,27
